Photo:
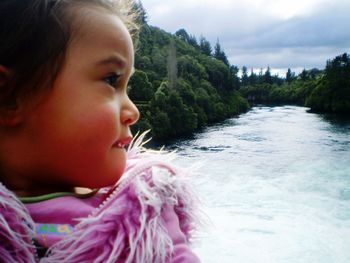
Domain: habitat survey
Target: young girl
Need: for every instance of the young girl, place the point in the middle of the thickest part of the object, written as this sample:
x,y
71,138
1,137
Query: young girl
x,y
64,123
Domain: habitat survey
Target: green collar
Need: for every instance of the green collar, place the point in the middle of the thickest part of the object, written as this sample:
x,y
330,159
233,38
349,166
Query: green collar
x,y
40,198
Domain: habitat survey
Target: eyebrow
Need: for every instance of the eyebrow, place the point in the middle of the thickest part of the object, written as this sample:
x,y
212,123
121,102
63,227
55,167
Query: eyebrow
x,y
113,59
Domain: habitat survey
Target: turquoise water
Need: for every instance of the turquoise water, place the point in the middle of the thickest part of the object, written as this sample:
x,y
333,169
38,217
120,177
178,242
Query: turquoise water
x,y
275,184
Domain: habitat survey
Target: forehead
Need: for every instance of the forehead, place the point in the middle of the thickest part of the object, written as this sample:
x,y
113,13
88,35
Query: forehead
x,y
99,32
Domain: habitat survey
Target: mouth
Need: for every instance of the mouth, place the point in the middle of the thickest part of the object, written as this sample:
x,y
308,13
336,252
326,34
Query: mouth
x,y
122,143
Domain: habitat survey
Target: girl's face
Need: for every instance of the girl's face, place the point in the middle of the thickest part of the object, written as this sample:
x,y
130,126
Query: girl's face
x,y
75,135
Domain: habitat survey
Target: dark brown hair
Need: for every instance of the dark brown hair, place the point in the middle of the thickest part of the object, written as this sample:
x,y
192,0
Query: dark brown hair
x,y
34,37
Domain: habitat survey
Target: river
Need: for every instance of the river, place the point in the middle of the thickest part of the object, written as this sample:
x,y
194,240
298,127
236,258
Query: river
x,y
275,185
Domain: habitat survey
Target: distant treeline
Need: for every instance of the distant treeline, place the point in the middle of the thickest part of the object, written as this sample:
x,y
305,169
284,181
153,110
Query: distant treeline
x,y
181,84
325,90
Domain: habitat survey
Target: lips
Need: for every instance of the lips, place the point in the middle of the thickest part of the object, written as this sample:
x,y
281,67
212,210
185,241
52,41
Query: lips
x,y
123,142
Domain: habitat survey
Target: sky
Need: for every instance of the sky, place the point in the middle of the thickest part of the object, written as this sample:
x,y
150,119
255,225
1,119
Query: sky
x,y
281,34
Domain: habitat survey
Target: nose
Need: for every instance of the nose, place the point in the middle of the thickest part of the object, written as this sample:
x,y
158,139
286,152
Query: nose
x,y
129,114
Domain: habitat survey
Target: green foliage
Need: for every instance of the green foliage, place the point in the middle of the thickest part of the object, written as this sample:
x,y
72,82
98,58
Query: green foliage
x,y
219,54
290,76
189,68
267,76
183,35
244,78
140,87
186,92
322,91
205,46
161,125
295,92
172,65
218,73
332,94
266,88
179,86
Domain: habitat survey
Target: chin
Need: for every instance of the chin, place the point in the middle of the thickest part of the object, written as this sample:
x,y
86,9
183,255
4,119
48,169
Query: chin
x,y
106,175
100,181
112,178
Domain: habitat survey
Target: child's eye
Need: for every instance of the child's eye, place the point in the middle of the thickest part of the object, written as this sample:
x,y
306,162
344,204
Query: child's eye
x,y
112,79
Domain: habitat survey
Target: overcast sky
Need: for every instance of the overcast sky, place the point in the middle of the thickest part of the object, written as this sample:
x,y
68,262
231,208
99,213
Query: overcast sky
x,y
259,33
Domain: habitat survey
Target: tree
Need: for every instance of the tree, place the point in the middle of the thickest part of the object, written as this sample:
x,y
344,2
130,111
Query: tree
x,y
161,124
332,92
253,78
183,35
189,68
193,41
172,65
338,71
234,77
303,75
290,76
140,88
189,87
315,72
244,78
337,75
218,73
220,54
267,78
186,92
205,46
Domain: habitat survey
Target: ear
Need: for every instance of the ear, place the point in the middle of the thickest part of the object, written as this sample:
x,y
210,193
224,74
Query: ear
x,y
9,115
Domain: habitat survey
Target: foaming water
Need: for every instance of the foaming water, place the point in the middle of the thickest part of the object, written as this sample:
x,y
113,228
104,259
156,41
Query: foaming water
x,y
276,187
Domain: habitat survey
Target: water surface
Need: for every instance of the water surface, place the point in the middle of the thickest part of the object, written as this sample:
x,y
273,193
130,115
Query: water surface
x,y
276,187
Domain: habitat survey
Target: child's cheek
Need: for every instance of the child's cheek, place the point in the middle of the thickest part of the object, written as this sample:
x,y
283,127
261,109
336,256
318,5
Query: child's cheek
x,y
96,162
98,125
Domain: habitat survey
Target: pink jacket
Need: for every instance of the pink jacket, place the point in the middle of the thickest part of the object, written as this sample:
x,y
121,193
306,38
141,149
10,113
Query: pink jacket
x,y
149,216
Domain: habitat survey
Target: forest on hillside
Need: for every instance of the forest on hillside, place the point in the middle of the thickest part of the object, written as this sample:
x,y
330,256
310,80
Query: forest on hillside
x,y
182,84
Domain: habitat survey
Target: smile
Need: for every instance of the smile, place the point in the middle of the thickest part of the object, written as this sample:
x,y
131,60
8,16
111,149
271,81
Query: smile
x,y
122,143
119,145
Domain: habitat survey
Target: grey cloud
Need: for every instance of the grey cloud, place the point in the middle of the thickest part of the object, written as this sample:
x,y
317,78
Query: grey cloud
x,y
316,31
282,58
298,42
257,40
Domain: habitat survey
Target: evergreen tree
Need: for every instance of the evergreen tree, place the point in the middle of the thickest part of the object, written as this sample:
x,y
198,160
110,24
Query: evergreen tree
x,y
314,72
205,46
290,76
220,54
234,77
193,41
267,78
253,78
337,76
244,78
260,76
304,75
